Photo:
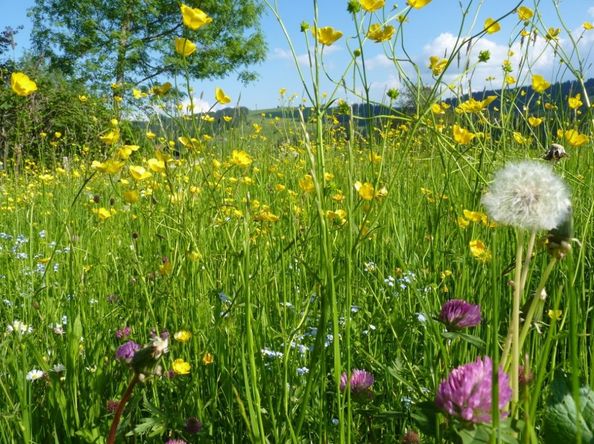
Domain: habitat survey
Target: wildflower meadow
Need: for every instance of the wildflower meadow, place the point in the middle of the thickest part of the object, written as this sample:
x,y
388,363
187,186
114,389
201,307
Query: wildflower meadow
x,y
344,268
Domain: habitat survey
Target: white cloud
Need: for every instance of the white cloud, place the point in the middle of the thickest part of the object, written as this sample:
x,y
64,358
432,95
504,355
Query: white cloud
x,y
535,53
379,88
284,54
303,58
380,61
200,105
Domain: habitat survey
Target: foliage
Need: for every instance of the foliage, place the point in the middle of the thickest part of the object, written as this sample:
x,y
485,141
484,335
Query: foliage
x,y
59,120
561,421
103,41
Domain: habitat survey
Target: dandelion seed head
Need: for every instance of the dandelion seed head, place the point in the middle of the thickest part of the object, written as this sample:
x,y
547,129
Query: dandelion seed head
x,y
528,195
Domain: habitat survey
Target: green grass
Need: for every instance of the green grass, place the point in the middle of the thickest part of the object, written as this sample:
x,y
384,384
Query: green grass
x,y
281,295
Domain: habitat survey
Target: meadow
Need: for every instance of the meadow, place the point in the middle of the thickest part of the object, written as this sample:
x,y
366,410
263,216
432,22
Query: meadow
x,y
335,277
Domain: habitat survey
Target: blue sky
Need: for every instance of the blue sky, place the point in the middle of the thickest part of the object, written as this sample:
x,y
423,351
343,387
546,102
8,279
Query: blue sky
x,y
428,31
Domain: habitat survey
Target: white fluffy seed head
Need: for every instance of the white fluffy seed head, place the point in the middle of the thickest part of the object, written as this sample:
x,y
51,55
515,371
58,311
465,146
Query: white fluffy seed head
x,y
529,195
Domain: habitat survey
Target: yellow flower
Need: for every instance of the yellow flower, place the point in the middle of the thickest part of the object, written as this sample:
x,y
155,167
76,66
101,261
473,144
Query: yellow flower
x,y
475,216
138,94
491,26
539,84
520,139
131,196
372,5
103,213
109,166
437,65
510,80
555,315
379,34
21,84
194,18
588,26
365,190
207,359
474,106
573,137
156,165
191,143
181,367
524,13
184,47
575,102
266,216
161,90
417,4
221,97
338,217
182,335
240,158
127,150
307,184
139,173
83,99
552,33
111,137
463,222
327,35
439,108
479,251
462,135
534,121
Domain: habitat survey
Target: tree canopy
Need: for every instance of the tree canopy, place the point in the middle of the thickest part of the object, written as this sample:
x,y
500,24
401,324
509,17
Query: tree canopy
x,y
131,41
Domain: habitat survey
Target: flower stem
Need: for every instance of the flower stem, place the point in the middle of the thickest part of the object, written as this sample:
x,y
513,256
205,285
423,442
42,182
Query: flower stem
x,y
536,301
515,321
111,438
527,259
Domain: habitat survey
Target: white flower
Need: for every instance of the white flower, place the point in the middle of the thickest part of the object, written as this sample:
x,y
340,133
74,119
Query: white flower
x,y
528,195
58,368
18,327
34,375
160,346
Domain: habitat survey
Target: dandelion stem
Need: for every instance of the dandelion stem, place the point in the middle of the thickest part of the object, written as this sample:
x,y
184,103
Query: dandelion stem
x,y
515,321
111,438
525,267
536,301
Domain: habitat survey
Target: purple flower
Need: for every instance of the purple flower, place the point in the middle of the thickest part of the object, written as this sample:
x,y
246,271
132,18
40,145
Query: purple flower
x,y
457,314
123,332
193,425
175,441
466,393
360,384
127,350
112,405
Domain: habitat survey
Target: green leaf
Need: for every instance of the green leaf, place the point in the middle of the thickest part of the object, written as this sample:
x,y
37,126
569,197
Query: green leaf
x,y
425,416
482,434
562,423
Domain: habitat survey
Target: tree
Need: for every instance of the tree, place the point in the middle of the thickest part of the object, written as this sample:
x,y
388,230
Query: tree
x,y
131,41
7,43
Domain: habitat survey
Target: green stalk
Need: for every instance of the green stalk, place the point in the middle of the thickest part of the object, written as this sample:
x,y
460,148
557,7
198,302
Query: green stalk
x,y
538,300
515,321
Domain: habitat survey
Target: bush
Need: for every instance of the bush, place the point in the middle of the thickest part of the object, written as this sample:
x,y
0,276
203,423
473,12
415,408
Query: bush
x,y
62,118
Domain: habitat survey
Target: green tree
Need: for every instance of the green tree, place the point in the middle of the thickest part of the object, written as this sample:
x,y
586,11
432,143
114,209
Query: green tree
x,y
132,41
